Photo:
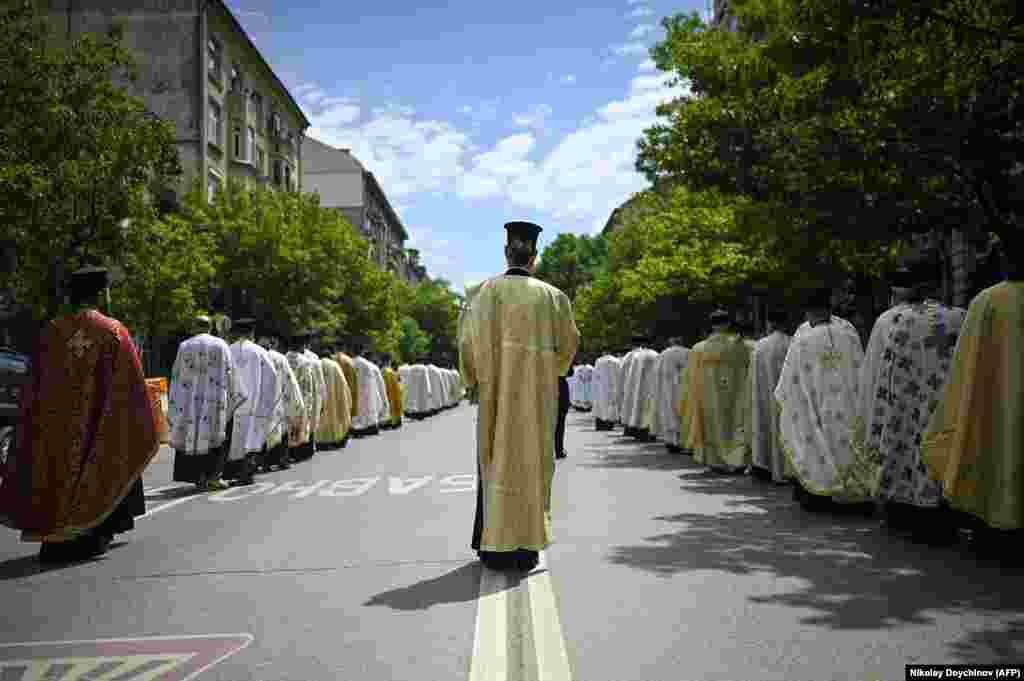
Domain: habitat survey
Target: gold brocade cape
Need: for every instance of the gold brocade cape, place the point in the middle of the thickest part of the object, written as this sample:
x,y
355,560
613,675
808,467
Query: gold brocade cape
x,y
974,442
517,338
351,377
86,430
337,416
394,390
718,401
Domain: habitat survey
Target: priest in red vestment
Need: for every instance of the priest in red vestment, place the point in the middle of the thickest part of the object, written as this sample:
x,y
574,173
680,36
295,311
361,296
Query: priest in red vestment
x,y
86,431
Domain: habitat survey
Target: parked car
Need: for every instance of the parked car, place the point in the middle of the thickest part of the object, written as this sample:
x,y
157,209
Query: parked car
x,y
14,368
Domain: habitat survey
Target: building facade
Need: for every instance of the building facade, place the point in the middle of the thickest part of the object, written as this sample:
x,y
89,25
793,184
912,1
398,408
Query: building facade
x,y
198,69
346,185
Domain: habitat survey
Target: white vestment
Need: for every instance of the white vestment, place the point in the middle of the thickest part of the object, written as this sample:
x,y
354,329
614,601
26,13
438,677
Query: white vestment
x,y
672,361
289,408
257,380
369,407
905,368
766,366
321,388
602,384
639,386
818,392
203,395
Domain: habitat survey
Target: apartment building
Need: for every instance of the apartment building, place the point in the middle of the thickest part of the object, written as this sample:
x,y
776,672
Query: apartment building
x,y
346,185
199,69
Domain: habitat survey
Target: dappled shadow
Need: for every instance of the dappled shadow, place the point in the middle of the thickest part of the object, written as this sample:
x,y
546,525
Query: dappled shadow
x,y
458,586
1004,643
619,451
852,575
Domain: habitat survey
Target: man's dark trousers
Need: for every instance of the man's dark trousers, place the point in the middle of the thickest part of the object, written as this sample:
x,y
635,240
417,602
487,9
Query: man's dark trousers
x,y
563,409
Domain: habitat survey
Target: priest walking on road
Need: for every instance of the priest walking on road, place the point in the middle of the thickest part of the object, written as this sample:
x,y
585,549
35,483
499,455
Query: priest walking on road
x,y
519,336
86,432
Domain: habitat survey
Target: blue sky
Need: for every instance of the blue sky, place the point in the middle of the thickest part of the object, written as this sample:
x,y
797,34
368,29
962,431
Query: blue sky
x,y
471,114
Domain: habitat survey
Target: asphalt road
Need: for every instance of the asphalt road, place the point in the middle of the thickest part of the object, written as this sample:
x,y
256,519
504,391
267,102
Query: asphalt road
x,y
356,566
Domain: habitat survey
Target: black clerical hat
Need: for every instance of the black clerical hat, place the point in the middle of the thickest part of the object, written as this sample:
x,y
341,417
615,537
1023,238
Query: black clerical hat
x,y
719,317
91,276
524,231
245,324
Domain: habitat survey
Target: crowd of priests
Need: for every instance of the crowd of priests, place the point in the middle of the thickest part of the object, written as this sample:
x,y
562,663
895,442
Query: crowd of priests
x,y
923,426
236,410
89,424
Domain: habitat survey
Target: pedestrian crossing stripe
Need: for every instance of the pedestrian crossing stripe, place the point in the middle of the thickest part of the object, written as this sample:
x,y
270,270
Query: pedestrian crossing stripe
x,y
160,658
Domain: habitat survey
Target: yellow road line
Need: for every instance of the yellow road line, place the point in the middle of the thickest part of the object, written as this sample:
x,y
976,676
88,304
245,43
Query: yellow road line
x,y
490,643
552,657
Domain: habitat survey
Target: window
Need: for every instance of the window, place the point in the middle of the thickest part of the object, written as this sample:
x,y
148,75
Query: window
x,y
259,160
215,120
288,177
236,79
257,107
277,172
212,186
275,123
214,52
238,144
250,143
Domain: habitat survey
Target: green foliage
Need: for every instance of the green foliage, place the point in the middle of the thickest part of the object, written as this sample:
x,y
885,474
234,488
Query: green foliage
x,y
77,154
295,265
572,261
412,342
168,269
861,122
435,309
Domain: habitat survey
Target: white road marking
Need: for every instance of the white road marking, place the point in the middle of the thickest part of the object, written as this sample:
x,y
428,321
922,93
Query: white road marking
x,y
399,486
490,643
154,490
168,505
230,494
465,482
552,658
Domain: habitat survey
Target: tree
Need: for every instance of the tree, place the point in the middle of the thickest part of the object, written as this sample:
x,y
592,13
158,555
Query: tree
x,y
168,269
571,261
412,342
436,310
77,153
295,265
863,122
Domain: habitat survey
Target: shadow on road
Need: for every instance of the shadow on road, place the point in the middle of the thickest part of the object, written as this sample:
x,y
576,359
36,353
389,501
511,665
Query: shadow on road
x,y
850,574
457,586
620,451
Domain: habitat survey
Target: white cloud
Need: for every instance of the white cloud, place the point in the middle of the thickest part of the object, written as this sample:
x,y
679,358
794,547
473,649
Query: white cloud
x,y
592,170
533,119
493,171
407,155
631,49
642,30
482,112
640,12
647,65
635,2
569,79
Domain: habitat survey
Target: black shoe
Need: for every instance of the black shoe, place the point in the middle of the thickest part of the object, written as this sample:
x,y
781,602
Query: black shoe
x,y
563,455
525,561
